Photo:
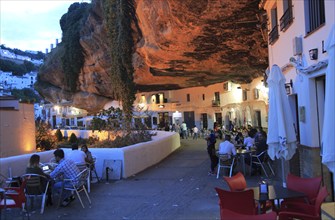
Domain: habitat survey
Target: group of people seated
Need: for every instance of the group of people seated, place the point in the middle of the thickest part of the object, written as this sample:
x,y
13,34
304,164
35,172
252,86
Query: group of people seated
x,y
66,169
255,139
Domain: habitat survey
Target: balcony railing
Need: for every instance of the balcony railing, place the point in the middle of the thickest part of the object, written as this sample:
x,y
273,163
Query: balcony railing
x,y
274,35
216,103
286,19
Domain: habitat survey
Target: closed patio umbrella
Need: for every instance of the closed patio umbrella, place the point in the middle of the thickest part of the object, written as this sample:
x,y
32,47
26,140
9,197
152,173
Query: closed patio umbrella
x,y
328,137
281,134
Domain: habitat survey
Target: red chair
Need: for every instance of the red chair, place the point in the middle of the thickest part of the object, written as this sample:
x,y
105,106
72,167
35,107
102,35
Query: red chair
x,y
298,210
239,201
15,197
228,215
309,186
236,182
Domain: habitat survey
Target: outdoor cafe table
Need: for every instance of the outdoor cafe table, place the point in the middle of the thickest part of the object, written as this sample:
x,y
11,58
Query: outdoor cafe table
x,y
275,193
241,154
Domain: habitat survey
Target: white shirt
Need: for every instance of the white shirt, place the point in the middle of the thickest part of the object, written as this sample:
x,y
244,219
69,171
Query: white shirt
x,y
77,156
183,127
227,148
249,142
195,130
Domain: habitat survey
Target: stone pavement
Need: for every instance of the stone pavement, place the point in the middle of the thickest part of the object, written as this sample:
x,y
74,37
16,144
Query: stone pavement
x,y
176,188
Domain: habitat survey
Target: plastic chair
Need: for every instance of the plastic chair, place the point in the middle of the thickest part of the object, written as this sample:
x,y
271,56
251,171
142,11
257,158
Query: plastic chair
x,y
236,182
36,185
260,160
14,198
228,215
77,185
298,210
225,161
241,202
309,186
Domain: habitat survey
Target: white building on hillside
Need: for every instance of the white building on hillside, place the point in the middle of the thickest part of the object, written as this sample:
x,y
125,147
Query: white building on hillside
x,y
9,81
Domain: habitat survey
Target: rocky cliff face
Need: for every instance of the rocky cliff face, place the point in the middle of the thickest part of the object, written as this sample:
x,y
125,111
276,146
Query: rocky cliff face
x,y
178,44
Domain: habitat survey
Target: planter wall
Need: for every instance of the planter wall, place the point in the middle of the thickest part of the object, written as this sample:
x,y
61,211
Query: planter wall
x,y
134,159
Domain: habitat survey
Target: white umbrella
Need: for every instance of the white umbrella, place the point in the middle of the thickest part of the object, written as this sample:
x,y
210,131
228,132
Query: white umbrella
x,y
281,134
328,137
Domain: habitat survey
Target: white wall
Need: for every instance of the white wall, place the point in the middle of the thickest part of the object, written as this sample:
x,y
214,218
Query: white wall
x,y
135,158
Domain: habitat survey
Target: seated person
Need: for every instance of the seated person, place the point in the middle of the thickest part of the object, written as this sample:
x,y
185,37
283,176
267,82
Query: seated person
x,y
66,168
77,156
260,142
226,147
88,158
239,139
260,146
249,141
34,168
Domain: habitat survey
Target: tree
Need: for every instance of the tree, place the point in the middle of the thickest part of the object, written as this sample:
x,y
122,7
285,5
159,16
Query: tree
x,y
44,138
26,95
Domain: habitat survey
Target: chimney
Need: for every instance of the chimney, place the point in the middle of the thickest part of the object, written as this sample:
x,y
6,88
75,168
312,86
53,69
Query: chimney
x,y
56,42
51,46
46,51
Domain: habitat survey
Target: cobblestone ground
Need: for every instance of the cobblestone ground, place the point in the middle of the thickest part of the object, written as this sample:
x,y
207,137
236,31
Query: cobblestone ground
x,y
176,188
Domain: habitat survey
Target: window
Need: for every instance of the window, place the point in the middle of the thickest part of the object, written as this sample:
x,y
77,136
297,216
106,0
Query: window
x,y
203,97
245,95
217,96
273,35
188,97
256,93
287,17
227,86
315,14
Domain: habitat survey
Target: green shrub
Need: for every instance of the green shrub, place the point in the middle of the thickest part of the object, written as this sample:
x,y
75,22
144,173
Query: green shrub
x,y
73,138
59,135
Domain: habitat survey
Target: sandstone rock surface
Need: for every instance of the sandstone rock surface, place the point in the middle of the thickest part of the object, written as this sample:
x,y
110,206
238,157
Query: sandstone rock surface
x,y
178,44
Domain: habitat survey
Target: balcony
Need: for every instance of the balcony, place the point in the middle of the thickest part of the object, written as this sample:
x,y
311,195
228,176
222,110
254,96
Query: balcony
x,y
286,19
273,35
216,103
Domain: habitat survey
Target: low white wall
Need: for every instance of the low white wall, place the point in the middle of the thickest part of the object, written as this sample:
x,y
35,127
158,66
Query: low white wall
x,y
135,158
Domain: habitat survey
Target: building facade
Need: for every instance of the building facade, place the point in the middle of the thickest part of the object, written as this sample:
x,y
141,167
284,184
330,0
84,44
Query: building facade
x,y
297,31
222,103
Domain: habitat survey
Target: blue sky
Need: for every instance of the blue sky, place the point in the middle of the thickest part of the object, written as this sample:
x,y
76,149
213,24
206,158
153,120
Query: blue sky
x,y
32,25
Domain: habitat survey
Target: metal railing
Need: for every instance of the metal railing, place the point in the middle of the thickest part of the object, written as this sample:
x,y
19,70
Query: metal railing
x,y
273,35
286,19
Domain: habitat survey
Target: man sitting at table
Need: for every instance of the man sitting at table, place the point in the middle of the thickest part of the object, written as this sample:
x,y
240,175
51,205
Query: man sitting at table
x,y
68,170
226,147
77,156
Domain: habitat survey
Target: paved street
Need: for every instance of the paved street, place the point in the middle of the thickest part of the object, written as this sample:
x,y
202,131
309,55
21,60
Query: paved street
x,y
176,188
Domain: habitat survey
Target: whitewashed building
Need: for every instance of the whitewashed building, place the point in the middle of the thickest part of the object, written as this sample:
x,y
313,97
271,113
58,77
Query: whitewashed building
x,y
297,31
10,81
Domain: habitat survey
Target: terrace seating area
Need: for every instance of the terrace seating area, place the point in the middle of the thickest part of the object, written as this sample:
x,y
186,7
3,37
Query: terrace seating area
x,y
177,187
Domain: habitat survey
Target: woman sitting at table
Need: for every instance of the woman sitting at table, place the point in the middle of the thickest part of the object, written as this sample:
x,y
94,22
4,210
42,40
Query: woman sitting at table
x,y
34,168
